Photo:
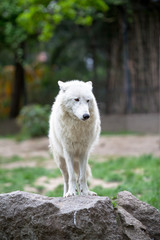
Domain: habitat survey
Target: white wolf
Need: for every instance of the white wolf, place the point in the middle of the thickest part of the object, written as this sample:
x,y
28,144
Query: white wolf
x,y
74,128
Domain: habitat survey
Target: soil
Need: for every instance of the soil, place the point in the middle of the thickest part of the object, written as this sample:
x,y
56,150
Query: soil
x,y
108,146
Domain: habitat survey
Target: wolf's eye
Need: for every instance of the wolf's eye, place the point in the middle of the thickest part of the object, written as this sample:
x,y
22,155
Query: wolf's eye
x,y
76,99
88,100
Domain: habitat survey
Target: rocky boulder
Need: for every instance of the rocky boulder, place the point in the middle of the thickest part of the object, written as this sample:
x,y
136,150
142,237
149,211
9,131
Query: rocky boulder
x,y
138,216
29,216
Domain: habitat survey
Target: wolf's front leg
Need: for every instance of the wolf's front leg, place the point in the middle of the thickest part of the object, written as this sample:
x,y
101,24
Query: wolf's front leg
x,y
83,187
72,190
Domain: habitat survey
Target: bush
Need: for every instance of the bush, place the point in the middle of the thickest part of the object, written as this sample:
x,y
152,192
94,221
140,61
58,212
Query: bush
x,y
33,120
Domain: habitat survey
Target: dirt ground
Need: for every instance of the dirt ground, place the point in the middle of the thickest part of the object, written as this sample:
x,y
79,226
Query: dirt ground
x,y
108,146
35,149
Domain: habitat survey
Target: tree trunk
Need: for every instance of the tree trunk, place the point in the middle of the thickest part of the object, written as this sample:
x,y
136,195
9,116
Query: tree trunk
x,y
127,79
115,100
95,76
139,68
19,89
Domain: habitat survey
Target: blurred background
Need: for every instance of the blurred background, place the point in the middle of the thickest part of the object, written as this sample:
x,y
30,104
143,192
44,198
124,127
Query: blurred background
x,y
113,43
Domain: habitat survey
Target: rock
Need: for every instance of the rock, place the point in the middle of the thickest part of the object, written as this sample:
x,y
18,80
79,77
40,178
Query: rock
x,y
26,216
29,216
147,216
132,228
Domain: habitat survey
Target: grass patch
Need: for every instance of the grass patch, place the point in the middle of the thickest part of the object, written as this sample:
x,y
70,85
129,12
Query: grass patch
x,y
14,158
58,192
18,178
139,175
20,136
120,133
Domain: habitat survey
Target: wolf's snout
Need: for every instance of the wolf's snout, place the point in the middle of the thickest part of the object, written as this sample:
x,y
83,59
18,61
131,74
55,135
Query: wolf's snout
x,y
86,116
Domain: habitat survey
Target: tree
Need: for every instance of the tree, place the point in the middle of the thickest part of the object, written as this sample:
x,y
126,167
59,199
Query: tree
x,y
49,14
16,21
13,37
100,23
52,15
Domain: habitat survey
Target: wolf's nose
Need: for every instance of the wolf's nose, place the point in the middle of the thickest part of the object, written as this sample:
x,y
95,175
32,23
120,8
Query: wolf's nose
x,y
85,116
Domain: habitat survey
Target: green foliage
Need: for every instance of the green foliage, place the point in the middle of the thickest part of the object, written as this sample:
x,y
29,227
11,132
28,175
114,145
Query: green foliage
x,y
44,89
11,33
114,203
117,2
48,15
33,120
17,16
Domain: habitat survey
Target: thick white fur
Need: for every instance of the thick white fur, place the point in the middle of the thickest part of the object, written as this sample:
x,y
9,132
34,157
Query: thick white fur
x,y
71,138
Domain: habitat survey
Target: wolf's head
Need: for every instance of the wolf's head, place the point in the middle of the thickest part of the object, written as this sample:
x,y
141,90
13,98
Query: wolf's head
x,y
77,98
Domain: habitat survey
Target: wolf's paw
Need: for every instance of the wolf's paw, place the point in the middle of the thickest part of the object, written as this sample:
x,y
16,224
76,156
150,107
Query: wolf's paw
x,y
87,193
71,193
92,193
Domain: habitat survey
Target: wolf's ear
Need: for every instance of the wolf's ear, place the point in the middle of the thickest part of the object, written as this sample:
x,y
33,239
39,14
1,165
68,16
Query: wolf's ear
x,y
61,85
89,83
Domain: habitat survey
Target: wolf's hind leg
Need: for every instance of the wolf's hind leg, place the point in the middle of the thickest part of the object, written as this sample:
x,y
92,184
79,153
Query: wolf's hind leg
x,y
76,170
63,169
